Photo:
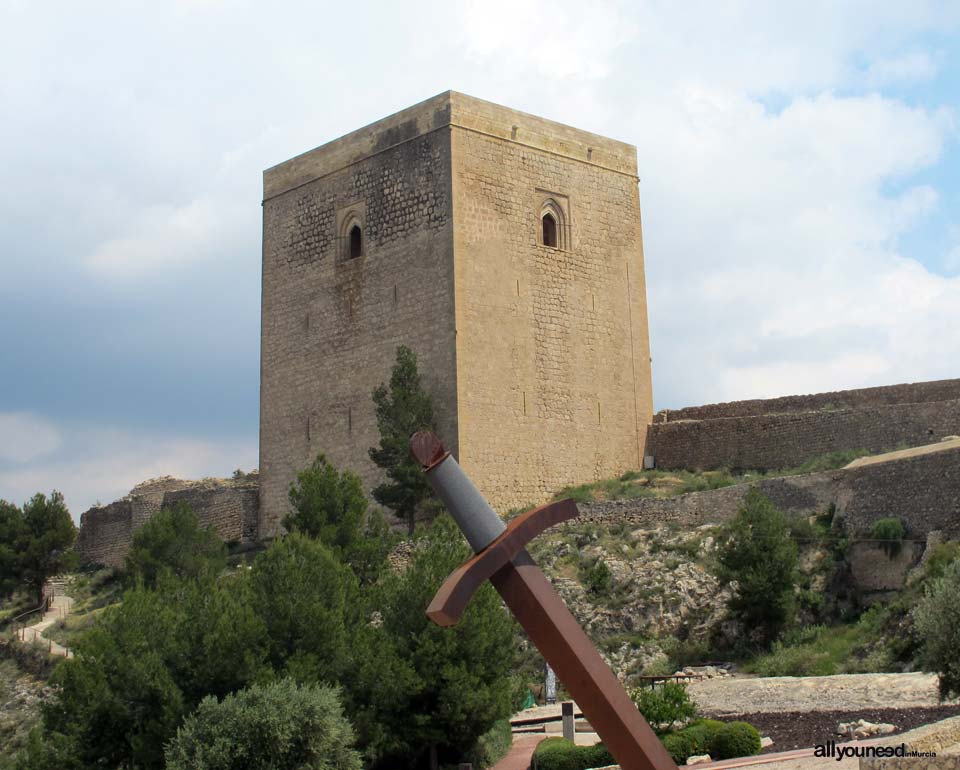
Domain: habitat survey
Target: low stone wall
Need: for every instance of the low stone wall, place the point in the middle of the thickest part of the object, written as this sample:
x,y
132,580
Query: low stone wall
x,y
229,505
922,491
935,738
906,393
769,441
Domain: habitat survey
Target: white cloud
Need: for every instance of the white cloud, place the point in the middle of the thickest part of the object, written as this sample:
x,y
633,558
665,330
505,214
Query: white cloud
x,y
24,437
103,464
917,66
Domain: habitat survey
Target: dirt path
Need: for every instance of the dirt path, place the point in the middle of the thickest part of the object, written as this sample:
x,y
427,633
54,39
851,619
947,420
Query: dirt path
x,y
844,692
518,758
59,608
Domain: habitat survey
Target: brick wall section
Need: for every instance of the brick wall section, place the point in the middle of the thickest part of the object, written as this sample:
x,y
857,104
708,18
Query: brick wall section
x,y
922,491
771,441
906,393
231,506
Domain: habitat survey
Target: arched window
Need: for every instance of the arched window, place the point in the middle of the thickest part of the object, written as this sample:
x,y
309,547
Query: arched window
x,y
356,242
549,230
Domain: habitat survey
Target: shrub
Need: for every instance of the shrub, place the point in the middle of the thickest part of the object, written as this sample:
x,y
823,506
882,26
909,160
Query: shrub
x,y
561,754
940,558
937,619
679,745
702,732
174,541
735,739
757,554
663,706
493,745
596,578
890,533
278,726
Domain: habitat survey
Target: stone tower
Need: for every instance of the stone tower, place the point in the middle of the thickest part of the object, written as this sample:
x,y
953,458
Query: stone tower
x,y
505,250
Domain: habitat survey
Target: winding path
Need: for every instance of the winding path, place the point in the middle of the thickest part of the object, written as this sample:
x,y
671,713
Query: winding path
x,y
59,609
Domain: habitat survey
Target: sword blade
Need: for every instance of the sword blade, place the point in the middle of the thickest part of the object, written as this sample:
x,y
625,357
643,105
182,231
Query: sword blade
x,y
571,654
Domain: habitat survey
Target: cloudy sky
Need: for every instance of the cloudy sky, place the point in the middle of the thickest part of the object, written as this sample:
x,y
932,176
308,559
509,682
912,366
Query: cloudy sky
x,y
800,187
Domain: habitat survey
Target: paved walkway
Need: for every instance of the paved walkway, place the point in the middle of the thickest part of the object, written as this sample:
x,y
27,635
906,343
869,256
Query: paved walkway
x,y
59,609
520,754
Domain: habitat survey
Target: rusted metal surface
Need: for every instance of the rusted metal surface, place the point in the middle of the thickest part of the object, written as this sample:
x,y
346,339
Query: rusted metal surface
x,y
548,623
451,600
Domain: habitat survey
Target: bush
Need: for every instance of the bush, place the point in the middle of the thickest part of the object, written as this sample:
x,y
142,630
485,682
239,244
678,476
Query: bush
x,y
940,557
561,754
596,578
278,726
174,541
493,745
937,619
735,739
663,706
679,745
890,533
757,554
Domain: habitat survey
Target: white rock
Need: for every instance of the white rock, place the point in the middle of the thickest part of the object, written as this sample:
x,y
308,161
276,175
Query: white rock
x,y
765,741
698,759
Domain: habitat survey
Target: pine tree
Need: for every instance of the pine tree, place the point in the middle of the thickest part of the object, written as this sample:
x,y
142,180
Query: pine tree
x,y
402,409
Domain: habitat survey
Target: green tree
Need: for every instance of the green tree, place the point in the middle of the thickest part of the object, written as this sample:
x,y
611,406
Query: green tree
x,y
331,507
174,541
937,622
402,409
461,675
759,557
12,534
279,726
147,663
310,604
46,542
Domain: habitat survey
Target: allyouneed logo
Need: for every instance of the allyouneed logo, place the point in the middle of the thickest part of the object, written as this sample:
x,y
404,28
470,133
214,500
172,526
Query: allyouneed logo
x,y
842,751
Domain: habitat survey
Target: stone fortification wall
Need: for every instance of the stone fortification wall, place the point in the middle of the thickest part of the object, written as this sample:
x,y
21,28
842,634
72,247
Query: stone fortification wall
x,y
769,441
906,393
922,491
230,505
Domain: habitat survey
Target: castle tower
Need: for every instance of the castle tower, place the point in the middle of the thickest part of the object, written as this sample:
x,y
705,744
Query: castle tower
x,y
505,250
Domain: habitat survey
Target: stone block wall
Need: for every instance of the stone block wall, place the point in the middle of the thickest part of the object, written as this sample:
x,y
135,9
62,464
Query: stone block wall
x,y
536,355
553,373
922,491
787,439
230,505
905,393
331,324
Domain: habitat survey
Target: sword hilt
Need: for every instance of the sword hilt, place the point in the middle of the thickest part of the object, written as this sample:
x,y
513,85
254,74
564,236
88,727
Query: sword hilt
x,y
453,596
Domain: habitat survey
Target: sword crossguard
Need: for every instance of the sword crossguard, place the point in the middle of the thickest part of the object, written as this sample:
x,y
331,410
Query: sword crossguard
x,y
451,599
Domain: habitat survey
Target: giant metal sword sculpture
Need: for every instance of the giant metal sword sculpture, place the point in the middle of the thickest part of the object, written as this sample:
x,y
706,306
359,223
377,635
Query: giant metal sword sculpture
x,y
501,557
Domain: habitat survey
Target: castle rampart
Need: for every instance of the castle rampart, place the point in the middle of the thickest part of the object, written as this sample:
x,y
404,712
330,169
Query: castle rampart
x,y
785,432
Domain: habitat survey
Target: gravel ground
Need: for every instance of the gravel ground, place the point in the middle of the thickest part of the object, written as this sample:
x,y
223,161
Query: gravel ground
x,y
804,729
846,693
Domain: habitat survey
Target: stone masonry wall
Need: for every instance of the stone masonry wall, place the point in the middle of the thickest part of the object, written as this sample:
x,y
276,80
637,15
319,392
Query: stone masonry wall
x,y
922,491
331,324
906,393
769,441
553,358
231,506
